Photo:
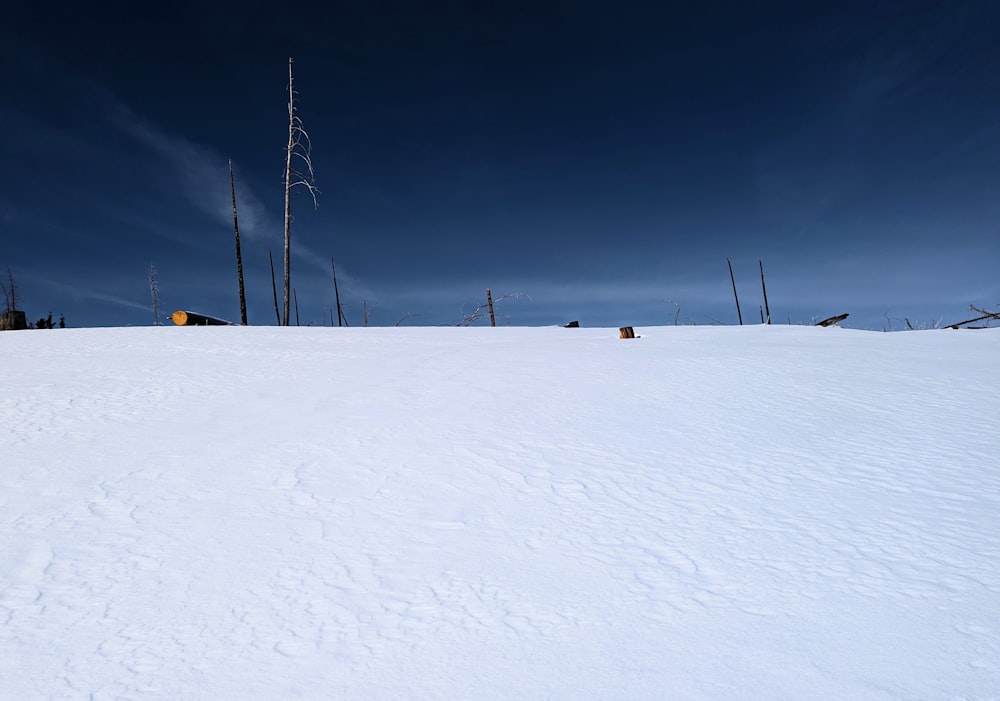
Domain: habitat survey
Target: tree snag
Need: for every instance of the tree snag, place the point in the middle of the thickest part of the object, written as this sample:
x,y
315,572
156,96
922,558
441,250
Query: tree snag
x,y
299,146
239,256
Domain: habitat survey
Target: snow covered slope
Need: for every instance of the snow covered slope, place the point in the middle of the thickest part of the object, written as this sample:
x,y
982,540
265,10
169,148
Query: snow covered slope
x,y
432,513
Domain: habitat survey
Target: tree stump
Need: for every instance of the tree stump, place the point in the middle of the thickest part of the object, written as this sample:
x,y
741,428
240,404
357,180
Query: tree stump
x,y
13,320
626,332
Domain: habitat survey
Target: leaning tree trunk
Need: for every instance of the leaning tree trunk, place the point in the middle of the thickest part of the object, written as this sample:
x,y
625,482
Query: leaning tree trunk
x,y
336,292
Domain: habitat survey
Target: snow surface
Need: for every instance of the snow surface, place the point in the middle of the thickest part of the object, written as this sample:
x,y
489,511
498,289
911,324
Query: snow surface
x,y
431,513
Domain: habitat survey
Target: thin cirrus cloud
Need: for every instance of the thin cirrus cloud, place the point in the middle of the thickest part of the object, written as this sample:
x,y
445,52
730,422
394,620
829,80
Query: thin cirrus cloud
x,y
201,174
73,289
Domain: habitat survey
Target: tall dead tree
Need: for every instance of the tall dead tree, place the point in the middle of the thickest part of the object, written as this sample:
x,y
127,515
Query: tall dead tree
x,y
299,147
239,256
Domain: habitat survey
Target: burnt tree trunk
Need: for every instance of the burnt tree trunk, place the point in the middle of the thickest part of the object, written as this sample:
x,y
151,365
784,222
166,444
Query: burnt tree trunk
x,y
733,278
288,193
239,256
274,289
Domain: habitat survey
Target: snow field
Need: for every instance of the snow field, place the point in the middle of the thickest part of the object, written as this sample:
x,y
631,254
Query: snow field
x,y
432,513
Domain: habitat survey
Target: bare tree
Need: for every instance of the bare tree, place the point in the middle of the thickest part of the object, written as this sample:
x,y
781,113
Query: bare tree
x,y
154,292
9,293
677,316
483,310
12,318
367,311
239,256
299,147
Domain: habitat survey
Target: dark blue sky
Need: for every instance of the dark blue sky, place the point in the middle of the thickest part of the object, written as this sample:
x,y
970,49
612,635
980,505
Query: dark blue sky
x,y
604,159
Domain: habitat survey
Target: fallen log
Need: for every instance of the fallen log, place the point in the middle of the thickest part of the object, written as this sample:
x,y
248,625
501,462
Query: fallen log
x,y
833,320
183,318
969,321
986,314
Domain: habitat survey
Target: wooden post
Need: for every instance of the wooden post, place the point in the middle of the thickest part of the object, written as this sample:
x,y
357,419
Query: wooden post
x,y
239,257
489,300
733,278
764,287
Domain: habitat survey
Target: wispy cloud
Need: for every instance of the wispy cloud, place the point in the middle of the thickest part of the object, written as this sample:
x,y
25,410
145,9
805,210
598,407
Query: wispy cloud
x,y
202,175
83,292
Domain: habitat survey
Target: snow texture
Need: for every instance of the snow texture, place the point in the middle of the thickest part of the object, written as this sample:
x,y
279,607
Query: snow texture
x,y
431,513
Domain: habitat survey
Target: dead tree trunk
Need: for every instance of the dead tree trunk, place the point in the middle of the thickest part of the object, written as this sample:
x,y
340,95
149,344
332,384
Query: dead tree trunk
x,y
239,256
336,292
489,300
274,289
763,286
154,293
288,190
298,146
733,278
